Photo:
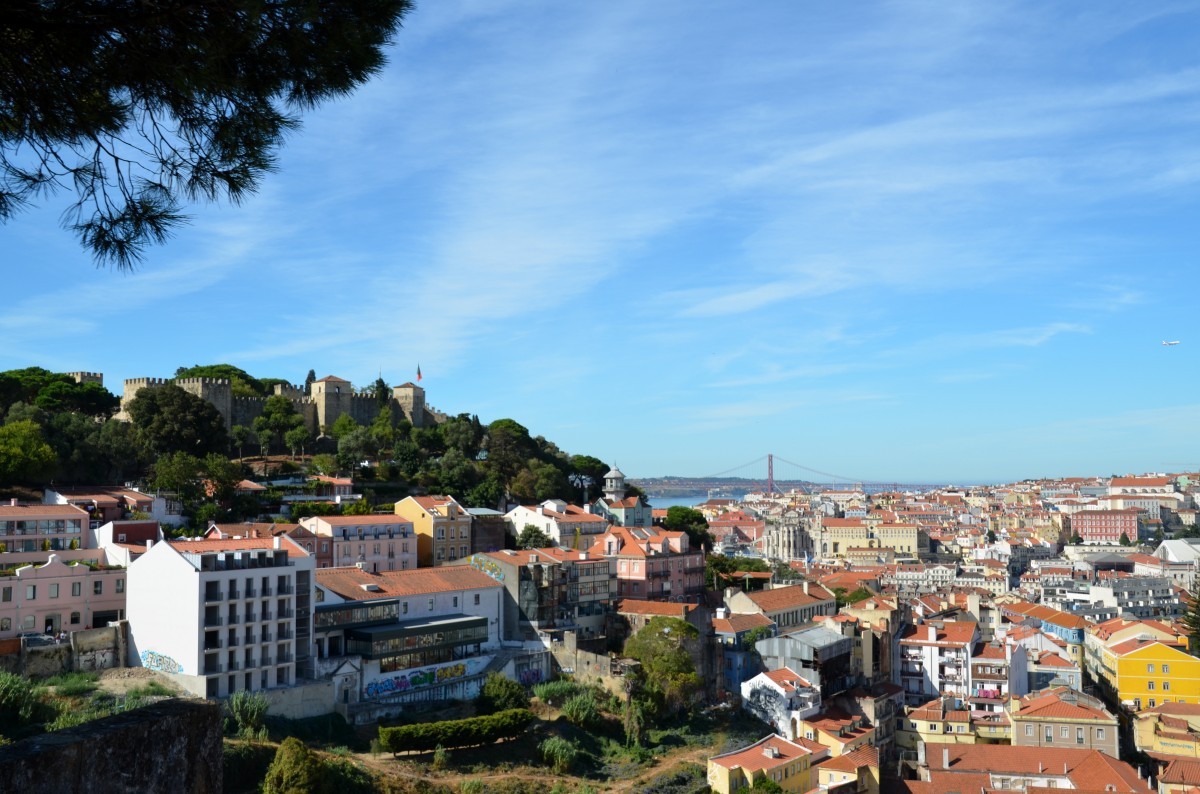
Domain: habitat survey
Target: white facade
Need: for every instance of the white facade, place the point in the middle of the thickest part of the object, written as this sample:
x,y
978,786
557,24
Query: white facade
x,y
221,616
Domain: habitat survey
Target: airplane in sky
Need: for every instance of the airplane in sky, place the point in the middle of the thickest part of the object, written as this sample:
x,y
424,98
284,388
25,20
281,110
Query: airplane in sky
x,y
1168,344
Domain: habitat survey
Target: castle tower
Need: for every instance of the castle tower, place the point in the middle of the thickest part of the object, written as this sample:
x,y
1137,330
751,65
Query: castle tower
x,y
614,485
410,398
333,397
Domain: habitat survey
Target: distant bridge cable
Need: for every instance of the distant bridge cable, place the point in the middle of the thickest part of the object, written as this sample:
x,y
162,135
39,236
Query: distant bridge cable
x,y
817,471
735,469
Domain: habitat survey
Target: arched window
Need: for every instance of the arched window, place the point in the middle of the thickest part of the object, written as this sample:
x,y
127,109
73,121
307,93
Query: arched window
x,y
74,618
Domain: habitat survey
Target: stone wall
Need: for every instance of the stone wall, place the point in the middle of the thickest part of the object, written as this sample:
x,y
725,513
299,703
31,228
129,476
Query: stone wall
x,y
171,746
87,650
301,701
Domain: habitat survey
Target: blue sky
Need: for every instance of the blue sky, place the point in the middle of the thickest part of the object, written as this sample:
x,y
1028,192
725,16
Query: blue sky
x,y
910,241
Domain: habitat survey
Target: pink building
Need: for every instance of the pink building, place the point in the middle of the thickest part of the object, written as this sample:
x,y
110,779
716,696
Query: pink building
x,y
33,527
653,564
1106,526
55,596
377,543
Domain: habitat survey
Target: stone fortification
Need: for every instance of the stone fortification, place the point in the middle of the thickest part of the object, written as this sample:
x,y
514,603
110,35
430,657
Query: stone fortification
x,y
171,746
330,399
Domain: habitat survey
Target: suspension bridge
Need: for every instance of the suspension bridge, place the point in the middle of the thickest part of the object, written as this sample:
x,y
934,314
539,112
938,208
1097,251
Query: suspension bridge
x,y
767,474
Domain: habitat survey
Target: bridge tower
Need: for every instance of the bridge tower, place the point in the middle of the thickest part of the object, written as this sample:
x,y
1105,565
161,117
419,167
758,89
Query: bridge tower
x,y
770,474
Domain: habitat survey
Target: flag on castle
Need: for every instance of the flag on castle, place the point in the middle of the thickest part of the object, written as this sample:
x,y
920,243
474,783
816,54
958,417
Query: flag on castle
x,y
418,373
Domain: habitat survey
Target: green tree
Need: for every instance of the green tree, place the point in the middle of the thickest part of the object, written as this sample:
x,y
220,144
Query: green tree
x,y
241,383
324,464
169,419
242,437
1076,540
532,537
1124,541
499,693
309,380
277,418
25,457
991,536
295,770
179,473
692,522
667,666
341,426
296,439
141,107
1191,620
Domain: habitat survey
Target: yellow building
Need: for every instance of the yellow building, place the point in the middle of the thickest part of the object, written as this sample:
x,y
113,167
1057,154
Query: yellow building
x,y
1150,672
442,527
842,733
1103,637
1169,729
940,721
1180,776
789,764
859,768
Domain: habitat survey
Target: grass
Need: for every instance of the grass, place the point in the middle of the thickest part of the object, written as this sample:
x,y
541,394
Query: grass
x,y
73,684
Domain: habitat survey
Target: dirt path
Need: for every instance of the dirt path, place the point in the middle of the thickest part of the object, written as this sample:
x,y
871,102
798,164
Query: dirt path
x,y
385,765
118,681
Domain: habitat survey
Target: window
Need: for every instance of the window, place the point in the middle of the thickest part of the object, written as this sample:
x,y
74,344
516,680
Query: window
x,y
1099,734
1152,703
1137,704
404,608
477,599
54,590
6,594
1166,668
5,624
1049,734
456,602
1079,736
431,605
76,588
98,587
74,618
30,592
27,622
1029,730
441,533
1150,685
1149,668
1064,732
120,585
1166,686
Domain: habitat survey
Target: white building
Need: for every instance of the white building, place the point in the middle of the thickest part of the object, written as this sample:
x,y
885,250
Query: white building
x,y
562,522
423,634
221,616
935,660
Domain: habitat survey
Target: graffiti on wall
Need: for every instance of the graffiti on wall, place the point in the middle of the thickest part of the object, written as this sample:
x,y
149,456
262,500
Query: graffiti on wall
x,y
153,660
92,661
488,566
428,676
531,676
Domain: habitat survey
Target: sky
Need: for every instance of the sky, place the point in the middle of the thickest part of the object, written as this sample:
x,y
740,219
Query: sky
x,y
914,242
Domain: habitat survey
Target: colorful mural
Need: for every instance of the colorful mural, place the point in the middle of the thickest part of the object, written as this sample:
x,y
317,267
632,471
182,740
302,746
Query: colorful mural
x,y
489,566
153,660
423,677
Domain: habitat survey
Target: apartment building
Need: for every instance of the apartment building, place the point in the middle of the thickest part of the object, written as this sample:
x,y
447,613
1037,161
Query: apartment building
x,y
57,596
1106,526
376,543
652,563
398,636
239,616
442,525
567,525
1061,717
33,527
935,660
786,763
551,589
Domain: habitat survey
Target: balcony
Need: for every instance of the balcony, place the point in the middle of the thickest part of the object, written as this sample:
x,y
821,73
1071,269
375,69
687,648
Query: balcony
x,y
284,635
213,620
214,669
266,592
251,639
234,595
265,662
232,641
658,574
251,618
266,615
233,666
284,658
211,596
251,592
287,589
285,613
213,645
266,637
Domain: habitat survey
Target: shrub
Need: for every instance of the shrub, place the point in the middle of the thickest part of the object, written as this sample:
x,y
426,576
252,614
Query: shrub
x,y
581,710
74,684
556,692
18,700
248,711
455,733
559,753
500,694
471,787
294,769
245,764
441,757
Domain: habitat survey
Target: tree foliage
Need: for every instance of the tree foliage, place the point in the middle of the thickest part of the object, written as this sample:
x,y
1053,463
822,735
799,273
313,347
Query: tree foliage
x,y
499,693
24,454
141,107
455,733
169,419
692,522
532,537
666,666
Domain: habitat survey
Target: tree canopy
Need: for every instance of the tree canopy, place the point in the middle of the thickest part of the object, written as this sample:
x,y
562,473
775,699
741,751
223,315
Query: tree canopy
x,y
141,107
169,419
692,522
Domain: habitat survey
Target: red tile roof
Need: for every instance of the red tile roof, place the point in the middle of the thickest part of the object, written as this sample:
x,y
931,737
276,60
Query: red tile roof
x,y
348,582
633,606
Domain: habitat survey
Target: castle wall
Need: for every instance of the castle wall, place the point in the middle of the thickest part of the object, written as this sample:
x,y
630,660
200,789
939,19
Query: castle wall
x,y
321,409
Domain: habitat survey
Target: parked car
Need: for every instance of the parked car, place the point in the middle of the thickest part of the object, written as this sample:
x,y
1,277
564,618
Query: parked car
x,y
34,639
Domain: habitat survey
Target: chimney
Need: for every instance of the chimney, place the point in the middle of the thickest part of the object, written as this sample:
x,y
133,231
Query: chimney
x,y
278,542
149,543
583,556
932,632
12,502
722,613
804,584
533,558
945,758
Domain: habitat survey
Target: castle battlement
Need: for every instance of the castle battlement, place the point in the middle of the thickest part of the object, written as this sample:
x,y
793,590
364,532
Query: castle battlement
x,y
239,399
200,381
141,383
87,377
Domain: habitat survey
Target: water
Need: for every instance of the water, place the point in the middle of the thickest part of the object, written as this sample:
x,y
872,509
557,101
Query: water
x,y
663,502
